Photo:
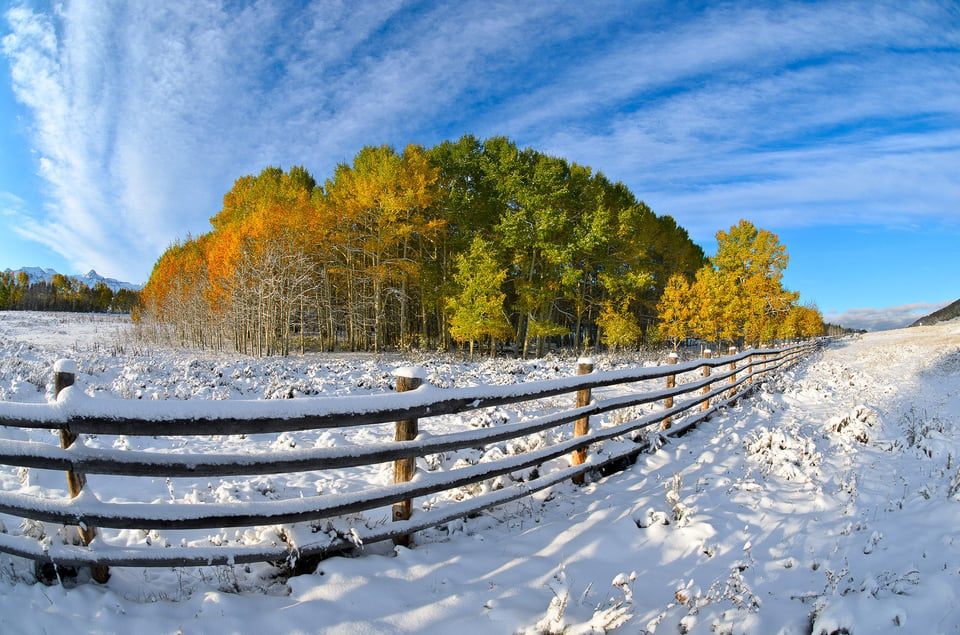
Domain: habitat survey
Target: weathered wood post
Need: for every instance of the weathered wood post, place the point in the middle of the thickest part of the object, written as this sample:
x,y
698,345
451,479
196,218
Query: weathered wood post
x,y
64,374
582,426
672,358
406,430
733,366
707,354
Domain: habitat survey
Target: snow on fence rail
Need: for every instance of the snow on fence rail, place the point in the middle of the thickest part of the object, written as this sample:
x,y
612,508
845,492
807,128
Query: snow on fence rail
x,y
74,414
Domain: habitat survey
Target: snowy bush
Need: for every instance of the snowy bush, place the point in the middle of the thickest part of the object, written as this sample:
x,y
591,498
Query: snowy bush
x,y
681,513
931,435
610,614
783,453
855,424
954,491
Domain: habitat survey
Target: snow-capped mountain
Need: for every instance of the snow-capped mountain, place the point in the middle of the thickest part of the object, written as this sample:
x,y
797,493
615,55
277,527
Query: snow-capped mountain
x,y
91,278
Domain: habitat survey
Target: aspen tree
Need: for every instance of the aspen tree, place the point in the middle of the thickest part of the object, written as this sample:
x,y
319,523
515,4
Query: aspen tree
x,y
477,311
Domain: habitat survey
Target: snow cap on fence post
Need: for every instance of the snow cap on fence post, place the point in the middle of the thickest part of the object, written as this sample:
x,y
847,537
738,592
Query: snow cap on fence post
x,y
411,372
65,366
672,358
582,426
408,378
64,374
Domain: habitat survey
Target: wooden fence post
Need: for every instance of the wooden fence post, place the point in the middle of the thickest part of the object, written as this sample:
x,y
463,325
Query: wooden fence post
x,y
707,354
733,366
582,426
672,358
406,430
64,374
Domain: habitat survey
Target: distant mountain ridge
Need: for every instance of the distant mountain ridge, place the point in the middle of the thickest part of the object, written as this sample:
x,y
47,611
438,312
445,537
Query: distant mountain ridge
x,y
91,278
947,313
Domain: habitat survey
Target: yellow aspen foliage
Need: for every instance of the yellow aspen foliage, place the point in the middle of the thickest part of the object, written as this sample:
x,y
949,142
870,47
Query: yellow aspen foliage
x,y
710,311
618,326
811,321
676,310
750,264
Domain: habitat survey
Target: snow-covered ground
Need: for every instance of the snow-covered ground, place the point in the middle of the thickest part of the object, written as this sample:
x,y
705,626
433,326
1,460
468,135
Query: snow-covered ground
x,y
828,502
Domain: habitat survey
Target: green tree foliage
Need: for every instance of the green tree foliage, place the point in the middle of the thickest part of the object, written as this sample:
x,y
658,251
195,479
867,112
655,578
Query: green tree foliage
x,y
477,310
63,293
385,255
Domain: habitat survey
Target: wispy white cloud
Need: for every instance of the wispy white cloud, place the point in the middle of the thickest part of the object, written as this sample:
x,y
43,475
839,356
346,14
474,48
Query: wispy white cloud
x,y
833,185
11,205
800,116
143,115
724,47
894,317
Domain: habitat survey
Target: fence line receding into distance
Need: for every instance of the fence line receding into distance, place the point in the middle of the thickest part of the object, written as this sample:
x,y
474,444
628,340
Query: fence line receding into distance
x,y
706,385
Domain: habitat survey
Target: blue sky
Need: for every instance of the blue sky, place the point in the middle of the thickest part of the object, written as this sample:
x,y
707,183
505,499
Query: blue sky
x,y
835,125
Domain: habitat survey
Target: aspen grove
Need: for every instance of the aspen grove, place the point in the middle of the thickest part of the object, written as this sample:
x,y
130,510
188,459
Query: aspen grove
x,y
476,242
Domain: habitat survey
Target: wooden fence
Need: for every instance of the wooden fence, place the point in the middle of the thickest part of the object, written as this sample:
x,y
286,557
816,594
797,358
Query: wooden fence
x,y
705,385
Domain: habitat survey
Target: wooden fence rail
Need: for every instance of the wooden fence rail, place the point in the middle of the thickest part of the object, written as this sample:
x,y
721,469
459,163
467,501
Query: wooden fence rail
x,y
686,403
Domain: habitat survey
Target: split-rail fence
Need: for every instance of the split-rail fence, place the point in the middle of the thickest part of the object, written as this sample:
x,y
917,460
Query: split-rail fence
x,y
705,385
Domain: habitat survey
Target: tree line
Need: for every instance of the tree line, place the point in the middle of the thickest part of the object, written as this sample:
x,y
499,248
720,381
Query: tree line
x,y
476,242
62,293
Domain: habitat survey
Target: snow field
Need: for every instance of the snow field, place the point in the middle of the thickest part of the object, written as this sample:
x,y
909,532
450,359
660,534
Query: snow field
x,y
167,377
828,501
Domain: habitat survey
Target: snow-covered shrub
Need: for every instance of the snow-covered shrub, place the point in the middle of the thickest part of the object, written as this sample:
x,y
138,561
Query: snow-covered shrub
x,y
931,435
610,614
626,415
954,491
783,453
554,621
855,424
487,417
681,513
650,517
734,590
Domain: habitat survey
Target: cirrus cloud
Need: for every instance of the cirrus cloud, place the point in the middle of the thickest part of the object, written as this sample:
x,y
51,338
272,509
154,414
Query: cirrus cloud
x,y
791,114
